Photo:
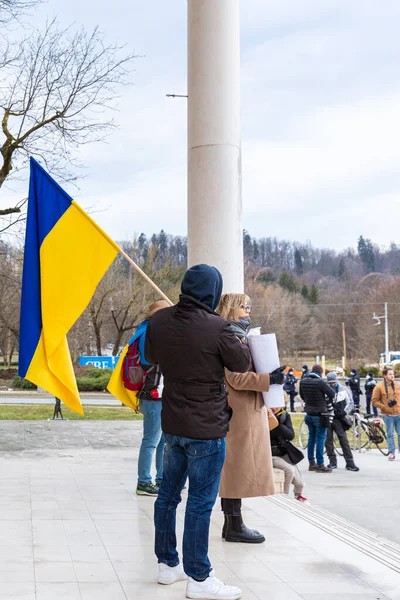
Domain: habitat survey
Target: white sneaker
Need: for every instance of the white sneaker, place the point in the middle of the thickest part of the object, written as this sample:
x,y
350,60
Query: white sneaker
x,y
212,588
168,575
392,456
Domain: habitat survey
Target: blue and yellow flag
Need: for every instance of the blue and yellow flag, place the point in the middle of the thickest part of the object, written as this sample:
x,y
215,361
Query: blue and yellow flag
x,y
66,255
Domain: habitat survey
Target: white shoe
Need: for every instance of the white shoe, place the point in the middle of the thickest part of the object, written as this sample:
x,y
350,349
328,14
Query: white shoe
x,y
212,588
168,575
391,456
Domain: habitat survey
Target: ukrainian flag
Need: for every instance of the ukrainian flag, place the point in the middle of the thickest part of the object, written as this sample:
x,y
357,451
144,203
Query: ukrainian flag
x,y
66,255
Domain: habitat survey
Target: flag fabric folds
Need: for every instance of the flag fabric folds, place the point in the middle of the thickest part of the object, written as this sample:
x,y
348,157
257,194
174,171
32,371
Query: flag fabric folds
x,y
116,385
66,255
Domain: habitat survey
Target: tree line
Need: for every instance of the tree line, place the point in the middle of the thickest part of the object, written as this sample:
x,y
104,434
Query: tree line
x,y
304,302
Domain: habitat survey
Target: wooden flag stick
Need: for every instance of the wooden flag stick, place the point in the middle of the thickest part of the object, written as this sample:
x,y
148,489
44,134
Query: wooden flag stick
x,y
146,277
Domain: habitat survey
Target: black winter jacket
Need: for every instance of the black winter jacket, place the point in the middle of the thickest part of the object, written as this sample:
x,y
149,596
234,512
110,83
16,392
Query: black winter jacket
x,y
317,395
281,434
193,345
355,385
290,384
370,384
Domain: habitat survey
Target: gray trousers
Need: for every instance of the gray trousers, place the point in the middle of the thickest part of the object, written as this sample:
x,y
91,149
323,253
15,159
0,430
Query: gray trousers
x,y
343,441
292,474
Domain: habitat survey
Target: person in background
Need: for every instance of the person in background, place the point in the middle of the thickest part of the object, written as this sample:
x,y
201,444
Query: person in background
x,y
150,407
369,386
354,383
280,459
386,397
305,371
317,396
343,406
193,345
290,388
247,471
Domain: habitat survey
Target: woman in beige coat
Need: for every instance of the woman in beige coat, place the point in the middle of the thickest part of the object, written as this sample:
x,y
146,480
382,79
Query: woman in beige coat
x,y
248,470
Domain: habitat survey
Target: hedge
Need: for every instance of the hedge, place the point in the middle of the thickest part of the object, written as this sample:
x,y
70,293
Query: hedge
x,y
93,380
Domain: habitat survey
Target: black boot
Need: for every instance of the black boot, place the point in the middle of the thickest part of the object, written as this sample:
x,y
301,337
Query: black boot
x,y
236,531
224,526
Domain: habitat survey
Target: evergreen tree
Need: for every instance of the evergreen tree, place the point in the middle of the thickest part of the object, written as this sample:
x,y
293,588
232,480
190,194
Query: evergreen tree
x,y
341,268
366,254
256,251
314,294
304,292
298,262
163,243
247,245
288,282
266,277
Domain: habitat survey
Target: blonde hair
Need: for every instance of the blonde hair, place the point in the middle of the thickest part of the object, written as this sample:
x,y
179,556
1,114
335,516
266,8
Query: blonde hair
x,y
229,305
153,308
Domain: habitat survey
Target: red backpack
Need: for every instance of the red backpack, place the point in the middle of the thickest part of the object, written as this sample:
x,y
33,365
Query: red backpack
x,y
133,375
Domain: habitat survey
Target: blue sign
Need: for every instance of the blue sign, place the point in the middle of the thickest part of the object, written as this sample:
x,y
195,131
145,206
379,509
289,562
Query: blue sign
x,y
100,362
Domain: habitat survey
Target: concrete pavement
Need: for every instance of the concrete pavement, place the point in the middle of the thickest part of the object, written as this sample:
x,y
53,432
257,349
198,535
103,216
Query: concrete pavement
x,y
71,526
369,497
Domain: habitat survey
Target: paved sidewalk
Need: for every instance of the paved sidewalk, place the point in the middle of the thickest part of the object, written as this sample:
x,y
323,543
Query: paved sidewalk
x,y
370,498
72,528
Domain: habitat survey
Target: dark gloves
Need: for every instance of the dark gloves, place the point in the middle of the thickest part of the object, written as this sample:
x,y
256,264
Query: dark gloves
x,y
392,403
277,376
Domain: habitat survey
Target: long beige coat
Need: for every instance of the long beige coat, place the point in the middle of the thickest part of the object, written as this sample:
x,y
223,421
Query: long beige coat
x,y
248,468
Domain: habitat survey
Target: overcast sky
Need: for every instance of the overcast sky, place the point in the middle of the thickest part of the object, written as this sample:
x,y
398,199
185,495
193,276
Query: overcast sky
x,y
320,119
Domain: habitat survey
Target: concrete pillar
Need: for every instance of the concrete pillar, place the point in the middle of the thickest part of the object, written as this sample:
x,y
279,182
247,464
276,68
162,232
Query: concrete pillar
x,y
214,143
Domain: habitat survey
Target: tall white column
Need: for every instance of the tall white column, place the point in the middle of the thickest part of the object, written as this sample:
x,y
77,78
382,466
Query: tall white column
x,y
214,142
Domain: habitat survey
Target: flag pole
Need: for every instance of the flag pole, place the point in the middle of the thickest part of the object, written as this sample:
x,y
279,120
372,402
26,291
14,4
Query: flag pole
x,y
146,277
124,254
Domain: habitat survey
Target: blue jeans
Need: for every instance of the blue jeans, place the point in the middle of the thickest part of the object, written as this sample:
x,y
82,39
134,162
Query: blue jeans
x,y
392,423
316,439
201,461
153,441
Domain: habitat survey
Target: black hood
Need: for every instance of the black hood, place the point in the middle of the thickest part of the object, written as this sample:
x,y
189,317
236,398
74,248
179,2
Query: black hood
x,y
203,283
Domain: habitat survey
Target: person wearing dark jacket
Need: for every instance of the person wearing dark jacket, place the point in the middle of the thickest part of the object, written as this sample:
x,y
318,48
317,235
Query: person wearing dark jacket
x,y
369,386
290,388
150,407
343,406
305,371
193,345
279,437
317,396
354,383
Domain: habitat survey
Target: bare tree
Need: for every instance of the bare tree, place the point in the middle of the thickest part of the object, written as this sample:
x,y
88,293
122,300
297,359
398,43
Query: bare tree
x,y
56,90
126,318
10,296
12,9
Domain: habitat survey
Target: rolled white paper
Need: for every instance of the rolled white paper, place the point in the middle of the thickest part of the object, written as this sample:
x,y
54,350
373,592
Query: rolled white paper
x,y
264,352
255,331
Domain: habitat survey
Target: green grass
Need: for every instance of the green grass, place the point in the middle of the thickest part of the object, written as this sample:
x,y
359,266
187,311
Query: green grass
x,y
296,420
41,412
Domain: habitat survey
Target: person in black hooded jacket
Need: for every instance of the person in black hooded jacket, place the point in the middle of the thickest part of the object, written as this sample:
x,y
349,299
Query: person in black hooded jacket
x,y
193,345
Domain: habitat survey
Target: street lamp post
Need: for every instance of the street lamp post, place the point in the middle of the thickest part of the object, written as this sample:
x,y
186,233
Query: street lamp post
x,y
385,316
